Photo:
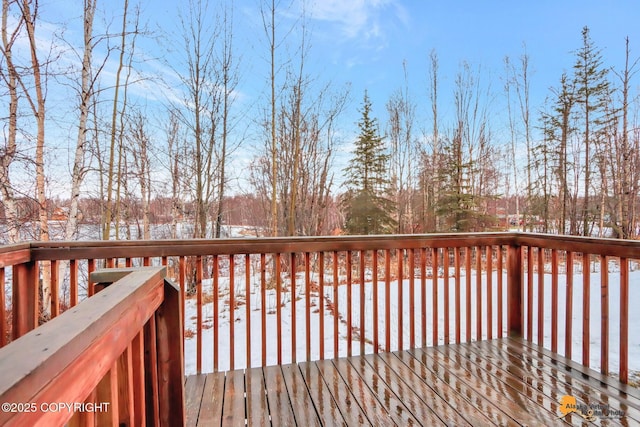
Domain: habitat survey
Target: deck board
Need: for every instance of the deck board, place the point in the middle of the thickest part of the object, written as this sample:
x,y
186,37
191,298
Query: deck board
x,y
505,381
257,406
278,398
212,398
233,413
402,401
324,403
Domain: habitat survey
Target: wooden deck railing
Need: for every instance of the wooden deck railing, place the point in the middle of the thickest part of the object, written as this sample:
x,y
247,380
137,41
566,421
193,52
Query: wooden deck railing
x,y
238,286
115,359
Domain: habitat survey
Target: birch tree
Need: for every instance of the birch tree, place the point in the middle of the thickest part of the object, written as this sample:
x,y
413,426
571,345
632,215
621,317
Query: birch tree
x,y
86,96
8,155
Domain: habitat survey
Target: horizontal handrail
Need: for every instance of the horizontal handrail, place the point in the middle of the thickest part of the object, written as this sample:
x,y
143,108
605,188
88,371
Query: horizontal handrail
x,y
70,364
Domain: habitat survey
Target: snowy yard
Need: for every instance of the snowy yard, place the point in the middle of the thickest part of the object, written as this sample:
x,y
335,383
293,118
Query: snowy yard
x,y
239,318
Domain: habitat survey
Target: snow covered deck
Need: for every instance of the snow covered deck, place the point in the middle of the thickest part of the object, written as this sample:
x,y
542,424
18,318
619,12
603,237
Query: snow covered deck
x,y
506,381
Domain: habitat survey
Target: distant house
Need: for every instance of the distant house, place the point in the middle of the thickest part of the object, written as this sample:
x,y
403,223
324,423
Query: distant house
x,y
60,213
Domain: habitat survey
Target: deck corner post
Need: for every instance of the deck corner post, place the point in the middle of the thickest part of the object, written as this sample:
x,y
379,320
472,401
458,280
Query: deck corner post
x,y
170,357
25,292
514,290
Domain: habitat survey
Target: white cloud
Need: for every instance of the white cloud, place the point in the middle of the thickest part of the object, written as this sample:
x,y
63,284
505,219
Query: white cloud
x,y
362,19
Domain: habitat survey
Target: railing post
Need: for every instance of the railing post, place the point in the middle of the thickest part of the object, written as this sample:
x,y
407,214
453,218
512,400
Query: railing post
x,y
170,363
25,298
163,353
514,290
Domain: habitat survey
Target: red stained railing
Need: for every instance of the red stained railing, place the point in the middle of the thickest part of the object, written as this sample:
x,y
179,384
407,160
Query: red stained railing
x,y
335,296
114,360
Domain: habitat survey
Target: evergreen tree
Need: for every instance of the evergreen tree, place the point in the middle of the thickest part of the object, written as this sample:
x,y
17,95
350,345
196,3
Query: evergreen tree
x,y
592,93
368,209
458,206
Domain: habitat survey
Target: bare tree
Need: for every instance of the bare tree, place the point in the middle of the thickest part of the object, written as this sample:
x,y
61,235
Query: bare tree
x,y
139,144
9,74
431,154
625,158
205,112
175,154
229,77
268,14
403,152
37,106
108,213
87,91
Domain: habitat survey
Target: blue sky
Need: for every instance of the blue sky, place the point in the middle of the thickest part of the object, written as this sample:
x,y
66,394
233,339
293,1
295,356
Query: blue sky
x,y
365,42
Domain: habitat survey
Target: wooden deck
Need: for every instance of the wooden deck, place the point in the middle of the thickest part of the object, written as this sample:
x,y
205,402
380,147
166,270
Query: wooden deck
x,y
497,382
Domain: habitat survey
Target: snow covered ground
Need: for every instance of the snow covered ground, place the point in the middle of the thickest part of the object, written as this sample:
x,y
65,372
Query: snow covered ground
x,y
239,318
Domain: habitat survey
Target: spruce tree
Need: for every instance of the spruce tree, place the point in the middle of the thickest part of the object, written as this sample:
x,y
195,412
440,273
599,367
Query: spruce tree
x,y
368,209
592,93
457,206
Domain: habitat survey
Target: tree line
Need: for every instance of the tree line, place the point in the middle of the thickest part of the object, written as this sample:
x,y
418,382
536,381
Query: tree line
x,y
569,166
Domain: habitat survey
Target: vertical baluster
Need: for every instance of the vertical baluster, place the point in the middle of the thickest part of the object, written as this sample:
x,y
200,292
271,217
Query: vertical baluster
x,y
73,283
467,267
199,314
530,294
216,313
400,285
624,320
138,376
247,301
307,295
55,289
278,310
321,302
604,315
423,296
91,267
445,262
478,293
554,300
363,335
232,311
514,291
489,269
335,305
499,269
152,404
412,300
541,296
292,284
456,262
569,306
434,303
387,299
375,322
349,318
182,270
263,306
586,307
